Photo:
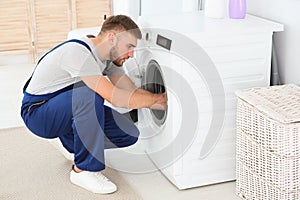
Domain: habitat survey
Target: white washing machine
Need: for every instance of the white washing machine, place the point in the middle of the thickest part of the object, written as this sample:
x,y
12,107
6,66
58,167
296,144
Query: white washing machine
x,y
179,140
182,141
199,63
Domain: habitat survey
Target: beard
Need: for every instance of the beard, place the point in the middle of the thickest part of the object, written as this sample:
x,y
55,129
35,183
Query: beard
x,y
115,58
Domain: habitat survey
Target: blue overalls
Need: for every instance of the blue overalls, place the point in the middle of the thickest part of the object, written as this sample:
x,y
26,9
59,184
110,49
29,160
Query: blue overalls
x,y
78,116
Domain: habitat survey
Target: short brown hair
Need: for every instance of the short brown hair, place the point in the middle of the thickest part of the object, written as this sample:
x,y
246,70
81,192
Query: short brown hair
x,y
121,23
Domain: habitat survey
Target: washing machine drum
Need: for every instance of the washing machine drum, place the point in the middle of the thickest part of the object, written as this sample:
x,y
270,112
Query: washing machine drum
x,y
153,81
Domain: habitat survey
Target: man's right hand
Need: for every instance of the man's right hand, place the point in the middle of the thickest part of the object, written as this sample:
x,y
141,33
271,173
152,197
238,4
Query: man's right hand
x,y
160,103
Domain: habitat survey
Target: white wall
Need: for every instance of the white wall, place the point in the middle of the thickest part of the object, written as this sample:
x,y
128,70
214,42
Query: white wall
x,y
127,7
167,6
153,7
287,43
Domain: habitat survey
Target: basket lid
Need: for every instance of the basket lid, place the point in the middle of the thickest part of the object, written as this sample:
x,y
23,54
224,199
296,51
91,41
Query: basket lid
x,y
281,103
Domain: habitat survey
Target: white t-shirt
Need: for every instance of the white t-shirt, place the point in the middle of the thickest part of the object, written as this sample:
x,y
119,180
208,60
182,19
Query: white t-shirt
x,y
66,64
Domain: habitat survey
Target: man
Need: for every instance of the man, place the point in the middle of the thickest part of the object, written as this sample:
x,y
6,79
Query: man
x,y
65,98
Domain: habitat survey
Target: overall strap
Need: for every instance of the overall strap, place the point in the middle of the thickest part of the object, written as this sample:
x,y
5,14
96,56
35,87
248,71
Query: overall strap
x,y
72,40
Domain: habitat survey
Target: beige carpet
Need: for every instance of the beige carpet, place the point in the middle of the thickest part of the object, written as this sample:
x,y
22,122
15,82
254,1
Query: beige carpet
x,y
32,169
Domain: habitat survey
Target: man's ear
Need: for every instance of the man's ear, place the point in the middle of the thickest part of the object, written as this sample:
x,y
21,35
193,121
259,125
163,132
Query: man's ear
x,y
112,38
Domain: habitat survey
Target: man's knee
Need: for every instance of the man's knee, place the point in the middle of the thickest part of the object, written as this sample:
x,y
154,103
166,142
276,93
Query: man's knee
x,y
134,137
131,138
125,140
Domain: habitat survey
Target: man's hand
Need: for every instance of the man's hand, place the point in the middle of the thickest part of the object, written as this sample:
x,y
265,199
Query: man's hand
x,y
160,103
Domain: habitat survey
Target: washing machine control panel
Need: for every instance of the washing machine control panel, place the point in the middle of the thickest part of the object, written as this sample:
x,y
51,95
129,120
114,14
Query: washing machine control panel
x,y
152,39
163,42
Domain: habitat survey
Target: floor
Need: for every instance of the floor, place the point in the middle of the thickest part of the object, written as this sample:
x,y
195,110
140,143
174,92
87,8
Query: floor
x,y
13,74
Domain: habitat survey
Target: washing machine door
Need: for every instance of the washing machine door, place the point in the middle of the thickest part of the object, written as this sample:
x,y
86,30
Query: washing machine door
x,y
146,73
153,81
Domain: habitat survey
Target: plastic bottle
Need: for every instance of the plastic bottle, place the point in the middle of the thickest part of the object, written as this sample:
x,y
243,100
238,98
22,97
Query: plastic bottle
x,y
237,9
215,8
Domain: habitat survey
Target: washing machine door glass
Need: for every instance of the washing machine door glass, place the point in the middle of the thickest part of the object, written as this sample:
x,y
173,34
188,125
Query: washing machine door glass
x,y
153,81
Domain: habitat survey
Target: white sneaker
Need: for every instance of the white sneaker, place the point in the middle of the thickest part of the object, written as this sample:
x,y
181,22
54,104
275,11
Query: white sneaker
x,y
95,182
59,146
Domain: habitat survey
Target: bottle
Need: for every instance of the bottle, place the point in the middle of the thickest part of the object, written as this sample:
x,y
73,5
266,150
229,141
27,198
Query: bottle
x,y
237,9
214,8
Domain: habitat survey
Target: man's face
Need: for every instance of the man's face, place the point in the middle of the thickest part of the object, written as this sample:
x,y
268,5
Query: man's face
x,y
123,48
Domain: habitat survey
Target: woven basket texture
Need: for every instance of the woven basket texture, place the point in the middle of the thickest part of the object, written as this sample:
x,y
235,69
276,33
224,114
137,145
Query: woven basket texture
x,y
268,143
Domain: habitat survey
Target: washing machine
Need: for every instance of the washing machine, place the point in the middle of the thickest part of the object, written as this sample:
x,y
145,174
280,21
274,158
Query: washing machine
x,y
182,141
199,63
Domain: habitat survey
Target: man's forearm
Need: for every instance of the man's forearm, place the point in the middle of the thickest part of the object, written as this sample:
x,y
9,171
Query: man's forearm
x,y
134,99
142,91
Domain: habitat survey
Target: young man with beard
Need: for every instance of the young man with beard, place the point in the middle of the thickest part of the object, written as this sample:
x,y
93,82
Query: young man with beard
x,y
65,96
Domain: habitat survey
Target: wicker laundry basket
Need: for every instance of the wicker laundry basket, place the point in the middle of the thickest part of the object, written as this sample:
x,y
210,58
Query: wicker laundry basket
x,y
268,143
